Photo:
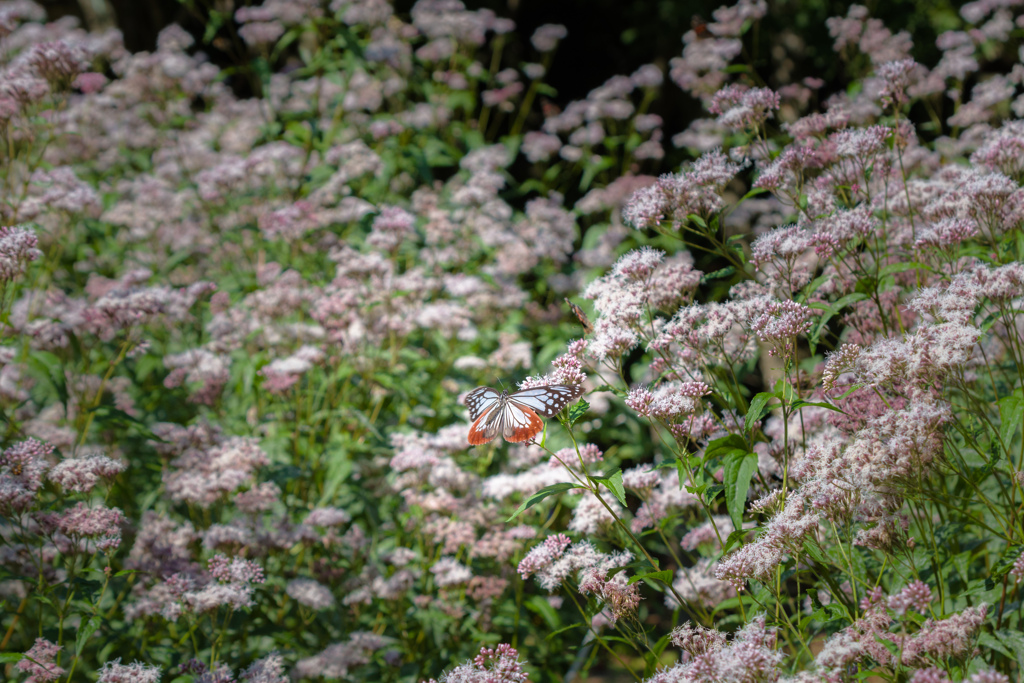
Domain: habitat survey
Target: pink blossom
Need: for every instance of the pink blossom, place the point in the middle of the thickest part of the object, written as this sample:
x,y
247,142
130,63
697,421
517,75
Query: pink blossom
x,y
236,570
22,467
136,672
202,476
498,665
750,657
1017,572
90,82
57,62
338,659
18,246
39,664
744,108
81,474
780,323
674,197
917,595
99,522
543,555
310,593
269,669
448,571
931,675
545,38
621,598
698,640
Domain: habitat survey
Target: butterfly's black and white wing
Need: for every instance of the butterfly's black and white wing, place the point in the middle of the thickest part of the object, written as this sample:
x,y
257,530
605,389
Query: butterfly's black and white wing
x,y
549,400
480,400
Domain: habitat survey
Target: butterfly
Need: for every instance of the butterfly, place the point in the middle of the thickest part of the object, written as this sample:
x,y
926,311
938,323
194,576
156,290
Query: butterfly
x,y
700,27
581,316
515,416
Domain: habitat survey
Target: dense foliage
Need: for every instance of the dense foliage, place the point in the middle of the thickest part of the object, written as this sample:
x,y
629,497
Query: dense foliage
x,y
236,332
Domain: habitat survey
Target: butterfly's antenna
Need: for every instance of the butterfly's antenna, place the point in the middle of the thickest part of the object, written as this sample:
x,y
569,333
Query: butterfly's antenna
x,y
501,384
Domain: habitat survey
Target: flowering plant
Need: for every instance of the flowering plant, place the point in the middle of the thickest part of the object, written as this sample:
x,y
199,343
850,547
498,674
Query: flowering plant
x,y
235,332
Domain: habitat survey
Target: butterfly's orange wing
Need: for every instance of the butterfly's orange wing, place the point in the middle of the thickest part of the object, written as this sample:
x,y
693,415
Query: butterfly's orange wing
x,y
520,423
483,429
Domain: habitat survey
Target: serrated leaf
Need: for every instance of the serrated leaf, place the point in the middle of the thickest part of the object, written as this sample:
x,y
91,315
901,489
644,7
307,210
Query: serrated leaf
x,y
662,643
758,407
734,537
962,562
711,492
815,284
894,268
48,366
849,391
614,484
697,220
990,641
784,390
892,647
1014,640
739,468
800,403
724,446
564,629
1011,413
339,467
545,492
728,271
577,411
539,605
84,631
664,576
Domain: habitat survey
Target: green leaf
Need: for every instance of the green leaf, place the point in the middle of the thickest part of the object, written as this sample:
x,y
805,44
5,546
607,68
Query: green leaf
x,y
697,220
652,578
84,631
1014,640
563,630
1011,413
962,563
738,471
614,484
545,492
339,467
893,268
711,493
815,284
736,536
724,446
990,641
800,403
849,391
728,271
577,411
539,605
11,657
49,367
784,390
892,647
758,407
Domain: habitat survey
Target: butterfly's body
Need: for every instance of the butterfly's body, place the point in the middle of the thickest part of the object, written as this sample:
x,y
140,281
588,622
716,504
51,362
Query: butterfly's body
x,y
515,416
